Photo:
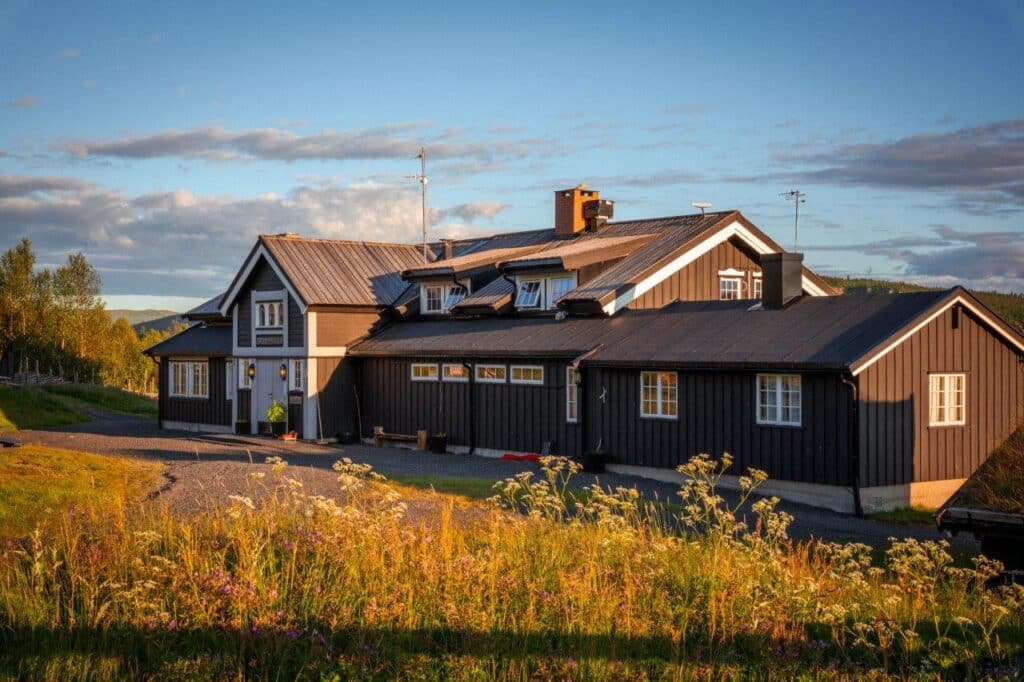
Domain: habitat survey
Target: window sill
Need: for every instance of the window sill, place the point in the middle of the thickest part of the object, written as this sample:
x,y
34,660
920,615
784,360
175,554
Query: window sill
x,y
779,425
951,425
661,418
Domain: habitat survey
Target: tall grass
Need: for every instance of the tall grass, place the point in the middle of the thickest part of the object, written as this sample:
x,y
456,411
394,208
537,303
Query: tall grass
x,y
537,587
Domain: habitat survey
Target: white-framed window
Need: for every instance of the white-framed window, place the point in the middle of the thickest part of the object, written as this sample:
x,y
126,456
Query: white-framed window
x,y
298,374
455,295
779,400
454,372
189,379
433,299
572,389
729,288
659,395
269,314
946,399
229,379
558,287
244,380
424,371
529,293
757,287
527,374
491,374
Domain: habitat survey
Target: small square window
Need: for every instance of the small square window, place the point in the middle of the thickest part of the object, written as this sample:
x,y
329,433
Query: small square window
x,y
453,372
527,374
491,374
779,400
729,288
422,371
659,394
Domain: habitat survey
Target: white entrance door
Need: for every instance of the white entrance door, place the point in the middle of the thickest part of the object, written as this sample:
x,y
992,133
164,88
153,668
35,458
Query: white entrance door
x,y
267,387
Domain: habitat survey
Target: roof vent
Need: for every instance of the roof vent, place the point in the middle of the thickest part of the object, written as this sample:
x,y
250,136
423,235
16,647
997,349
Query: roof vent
x,y
597,213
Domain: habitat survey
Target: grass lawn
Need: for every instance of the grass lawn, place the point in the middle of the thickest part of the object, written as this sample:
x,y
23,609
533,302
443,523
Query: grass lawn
x,y
31,408
36,481
107,398
473,488
915,514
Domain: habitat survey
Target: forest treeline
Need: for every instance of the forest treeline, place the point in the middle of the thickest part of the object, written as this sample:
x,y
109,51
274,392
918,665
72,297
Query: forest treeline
x,y
56,322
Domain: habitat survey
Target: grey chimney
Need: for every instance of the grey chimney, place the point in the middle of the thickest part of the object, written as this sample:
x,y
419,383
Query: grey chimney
x,y
782,277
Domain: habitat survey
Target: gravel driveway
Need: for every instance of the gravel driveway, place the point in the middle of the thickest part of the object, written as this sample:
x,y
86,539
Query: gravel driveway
x,y
202,471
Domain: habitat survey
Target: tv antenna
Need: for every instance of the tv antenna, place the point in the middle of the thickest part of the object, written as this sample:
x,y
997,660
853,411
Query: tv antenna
x,y
422,179
702,205
797,197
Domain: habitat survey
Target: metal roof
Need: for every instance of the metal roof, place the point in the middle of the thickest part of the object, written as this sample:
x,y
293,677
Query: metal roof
x,y
579,252
831,332
206,309
197,340
335,272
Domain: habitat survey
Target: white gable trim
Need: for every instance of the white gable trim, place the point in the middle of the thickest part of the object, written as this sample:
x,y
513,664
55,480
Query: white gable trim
x,y
981,314
734,229
247,269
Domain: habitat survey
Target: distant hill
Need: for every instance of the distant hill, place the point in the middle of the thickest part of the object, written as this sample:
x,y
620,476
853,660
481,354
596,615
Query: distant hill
x,y
1009,306
161,320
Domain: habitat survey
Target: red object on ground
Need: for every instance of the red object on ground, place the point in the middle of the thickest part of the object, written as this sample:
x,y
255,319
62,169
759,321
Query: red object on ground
x,y
291,435
521,458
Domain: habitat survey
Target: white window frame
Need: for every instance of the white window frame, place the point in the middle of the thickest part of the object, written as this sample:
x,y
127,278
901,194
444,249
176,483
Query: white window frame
x,y
279,312
447,296
441,293
774,383
297,371
491,380
572,394
537,301
193,385
940,389
757,287
661,401
454,295
454,379
229,378
528,382
730,279
414,366
552,294
244,380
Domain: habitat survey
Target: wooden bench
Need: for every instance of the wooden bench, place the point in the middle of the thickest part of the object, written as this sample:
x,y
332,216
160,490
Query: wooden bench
x,y
380,435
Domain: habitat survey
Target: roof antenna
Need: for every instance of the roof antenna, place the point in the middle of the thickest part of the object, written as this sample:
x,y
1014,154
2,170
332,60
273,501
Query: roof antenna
x,y
422,179
702,205
797,197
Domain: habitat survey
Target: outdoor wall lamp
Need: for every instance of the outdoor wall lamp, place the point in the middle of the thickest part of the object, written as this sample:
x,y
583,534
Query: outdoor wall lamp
x,y
283,371
251,370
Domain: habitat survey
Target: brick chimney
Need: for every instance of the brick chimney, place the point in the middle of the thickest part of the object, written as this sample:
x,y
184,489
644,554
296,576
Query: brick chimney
x,y
569,218
446,244
782,278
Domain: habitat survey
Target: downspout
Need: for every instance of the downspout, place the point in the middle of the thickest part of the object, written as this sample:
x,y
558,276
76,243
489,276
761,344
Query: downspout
x,y
854,423
472,407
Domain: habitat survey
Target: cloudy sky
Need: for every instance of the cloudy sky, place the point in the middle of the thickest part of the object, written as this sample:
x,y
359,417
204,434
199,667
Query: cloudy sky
x,y
161,138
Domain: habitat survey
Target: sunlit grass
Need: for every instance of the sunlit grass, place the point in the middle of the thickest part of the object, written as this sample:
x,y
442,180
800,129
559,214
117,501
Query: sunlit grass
x,y
286,585
915,514
28,407
38,483
107,398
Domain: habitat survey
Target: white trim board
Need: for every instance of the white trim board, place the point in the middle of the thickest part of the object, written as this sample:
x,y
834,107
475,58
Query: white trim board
x,y
734,229
247,268
876,355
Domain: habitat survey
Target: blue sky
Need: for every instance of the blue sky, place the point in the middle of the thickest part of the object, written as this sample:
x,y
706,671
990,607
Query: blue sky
x,y
161,139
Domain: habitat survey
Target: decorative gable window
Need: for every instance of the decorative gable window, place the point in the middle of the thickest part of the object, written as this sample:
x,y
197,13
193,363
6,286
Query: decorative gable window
x,y
779,399
659,394
269,314
189,379
529,293
946,399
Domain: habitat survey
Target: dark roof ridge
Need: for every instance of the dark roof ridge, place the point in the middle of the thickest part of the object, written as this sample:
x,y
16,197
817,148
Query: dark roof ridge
x,y
360,242
672,217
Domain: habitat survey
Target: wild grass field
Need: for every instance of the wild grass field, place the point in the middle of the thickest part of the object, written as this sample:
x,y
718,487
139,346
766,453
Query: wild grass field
x,y
534,586
27,407
106,397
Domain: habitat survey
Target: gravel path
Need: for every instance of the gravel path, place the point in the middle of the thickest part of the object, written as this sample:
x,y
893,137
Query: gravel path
x,y
202,472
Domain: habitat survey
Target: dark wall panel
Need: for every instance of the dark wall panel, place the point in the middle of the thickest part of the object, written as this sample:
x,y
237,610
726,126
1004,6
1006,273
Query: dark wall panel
x,y
698,281
335,378
215,409
897,444
296,324
717,415
514,417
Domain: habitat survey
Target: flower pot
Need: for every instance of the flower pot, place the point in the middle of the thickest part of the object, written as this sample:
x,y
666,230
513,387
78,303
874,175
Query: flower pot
x,y
437,444
277,428
243,427
593,462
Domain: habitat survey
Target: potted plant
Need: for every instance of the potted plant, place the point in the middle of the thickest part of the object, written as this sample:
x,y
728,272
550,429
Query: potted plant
x,y
593,461
438,442
277,414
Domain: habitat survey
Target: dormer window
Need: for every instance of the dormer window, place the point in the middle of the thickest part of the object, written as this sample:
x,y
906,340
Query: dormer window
x,y
528,295
439,298
558,287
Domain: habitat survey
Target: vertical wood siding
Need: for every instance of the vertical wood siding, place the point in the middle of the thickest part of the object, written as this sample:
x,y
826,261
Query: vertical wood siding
x,y
514,417
698,281
717,414
215,409
263,278
897,444
244,404
334,381
342,328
